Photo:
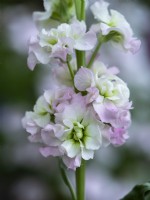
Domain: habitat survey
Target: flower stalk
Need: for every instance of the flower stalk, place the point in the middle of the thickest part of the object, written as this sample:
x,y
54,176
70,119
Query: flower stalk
x,y
100,41
70,69
80,181
80,14
80,56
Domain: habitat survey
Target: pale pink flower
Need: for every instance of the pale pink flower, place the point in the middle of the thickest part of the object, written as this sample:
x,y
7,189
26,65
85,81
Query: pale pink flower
x,y
114,25
110,86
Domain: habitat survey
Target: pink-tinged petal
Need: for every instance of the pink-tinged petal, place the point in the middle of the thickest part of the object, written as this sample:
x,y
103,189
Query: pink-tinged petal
x,y
92,95
53,130
105,112
50,151
32,128
95,28
84,79
32,61
35,138
78,28
118,136
118,117
71,148
74,111
105,29
134,45
113,70
48,136
72,163
63,48
59,52
87,42
29,124
36,54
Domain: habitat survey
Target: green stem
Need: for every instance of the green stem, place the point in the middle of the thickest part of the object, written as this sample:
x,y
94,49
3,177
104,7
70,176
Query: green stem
x,y
80,55
67,182
70,70
80,181
78,8
82,14
101,39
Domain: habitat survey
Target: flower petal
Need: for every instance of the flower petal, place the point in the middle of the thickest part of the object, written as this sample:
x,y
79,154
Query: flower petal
x,y
50,151
72,163
83,79
87,42
100,11
92,143
72,148
87,154
36,54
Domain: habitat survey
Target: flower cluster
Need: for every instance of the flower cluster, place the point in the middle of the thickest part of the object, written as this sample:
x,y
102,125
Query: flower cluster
x,y
89,107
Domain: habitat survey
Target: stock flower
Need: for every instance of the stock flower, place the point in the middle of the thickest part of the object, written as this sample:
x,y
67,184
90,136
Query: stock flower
x,y
65,126
66,37
110,86
82,131
60,42
109,96
75,134
114,25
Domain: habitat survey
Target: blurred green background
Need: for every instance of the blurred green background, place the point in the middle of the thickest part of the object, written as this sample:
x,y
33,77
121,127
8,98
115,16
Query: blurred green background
x,y
24,173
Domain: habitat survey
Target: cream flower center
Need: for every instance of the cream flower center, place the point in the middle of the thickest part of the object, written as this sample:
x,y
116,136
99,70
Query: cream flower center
x,y
77,132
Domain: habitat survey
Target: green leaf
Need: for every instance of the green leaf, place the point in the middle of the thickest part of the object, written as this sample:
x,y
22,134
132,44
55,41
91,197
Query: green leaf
x,y
66,180
139,192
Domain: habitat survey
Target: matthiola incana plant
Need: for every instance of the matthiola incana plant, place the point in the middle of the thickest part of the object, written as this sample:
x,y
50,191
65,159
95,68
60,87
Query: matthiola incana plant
x,y
88,105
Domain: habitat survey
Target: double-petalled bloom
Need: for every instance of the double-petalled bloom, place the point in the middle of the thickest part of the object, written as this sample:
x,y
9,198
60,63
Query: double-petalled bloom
x,y
60,42
73,124
115,27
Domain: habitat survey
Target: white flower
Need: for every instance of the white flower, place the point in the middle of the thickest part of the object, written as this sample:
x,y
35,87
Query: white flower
x,y
82,133
65,38
60,42
115,26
